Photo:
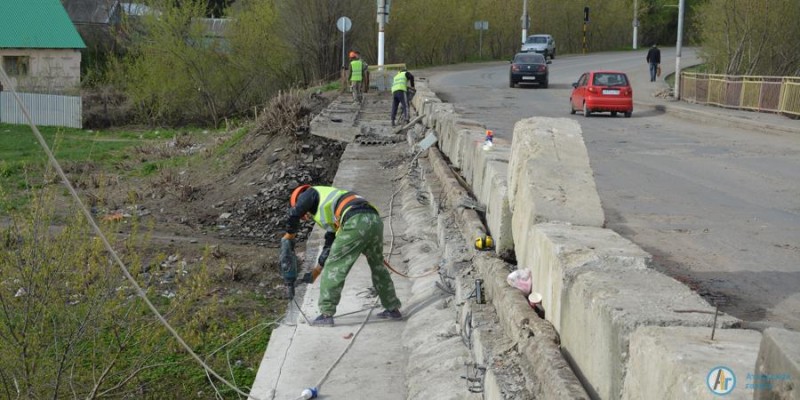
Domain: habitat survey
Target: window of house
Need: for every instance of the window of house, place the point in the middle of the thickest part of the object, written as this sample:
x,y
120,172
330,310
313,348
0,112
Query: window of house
x,y
16,65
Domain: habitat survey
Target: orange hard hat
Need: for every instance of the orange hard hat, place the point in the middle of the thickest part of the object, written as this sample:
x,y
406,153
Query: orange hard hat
x,y
489,132
296,194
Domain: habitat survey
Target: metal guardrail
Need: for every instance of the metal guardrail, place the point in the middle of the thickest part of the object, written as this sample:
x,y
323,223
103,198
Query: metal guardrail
x,y
774,94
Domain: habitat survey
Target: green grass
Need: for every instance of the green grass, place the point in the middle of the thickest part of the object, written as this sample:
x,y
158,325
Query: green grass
x,y
23,161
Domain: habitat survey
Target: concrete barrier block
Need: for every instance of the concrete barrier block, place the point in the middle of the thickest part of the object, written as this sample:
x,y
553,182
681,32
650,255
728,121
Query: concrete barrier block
x,y
439,111
676,363
445,135
471,163
452,128
498,213
464,141
478,157
556,252
602,307
550,178
777,372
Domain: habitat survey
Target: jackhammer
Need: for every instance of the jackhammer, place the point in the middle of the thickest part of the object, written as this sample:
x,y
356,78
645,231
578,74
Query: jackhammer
x,y
288,262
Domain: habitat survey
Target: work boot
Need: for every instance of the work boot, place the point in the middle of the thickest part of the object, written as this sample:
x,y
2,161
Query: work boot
x,y
323,320
393,314
392,123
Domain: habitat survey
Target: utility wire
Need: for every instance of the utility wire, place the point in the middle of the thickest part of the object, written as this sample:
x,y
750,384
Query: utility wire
x,y
55,164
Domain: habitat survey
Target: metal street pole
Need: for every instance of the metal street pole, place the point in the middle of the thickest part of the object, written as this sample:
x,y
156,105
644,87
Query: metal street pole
x,y
524,20
678,51
381,28
635,24
480,44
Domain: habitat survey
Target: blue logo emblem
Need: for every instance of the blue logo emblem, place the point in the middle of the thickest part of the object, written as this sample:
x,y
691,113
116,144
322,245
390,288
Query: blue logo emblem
x,y
721,380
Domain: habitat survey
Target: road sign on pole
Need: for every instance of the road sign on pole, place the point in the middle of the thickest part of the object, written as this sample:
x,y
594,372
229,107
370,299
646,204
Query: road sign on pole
x,y
344,24
481,26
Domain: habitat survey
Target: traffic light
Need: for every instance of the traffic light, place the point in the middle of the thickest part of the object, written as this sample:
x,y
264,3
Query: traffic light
x,y
586,14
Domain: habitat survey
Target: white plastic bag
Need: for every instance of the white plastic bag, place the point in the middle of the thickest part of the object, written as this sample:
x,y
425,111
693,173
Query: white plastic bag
x,y
520,279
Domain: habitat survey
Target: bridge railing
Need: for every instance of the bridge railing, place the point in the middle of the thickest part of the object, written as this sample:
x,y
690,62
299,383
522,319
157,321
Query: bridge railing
x,y
774,94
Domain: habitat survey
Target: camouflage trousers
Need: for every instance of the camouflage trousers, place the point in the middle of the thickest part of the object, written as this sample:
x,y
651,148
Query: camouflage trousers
x,y
360,234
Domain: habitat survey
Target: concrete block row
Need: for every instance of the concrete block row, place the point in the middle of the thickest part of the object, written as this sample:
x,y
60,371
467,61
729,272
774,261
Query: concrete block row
x,y
614,314
461,140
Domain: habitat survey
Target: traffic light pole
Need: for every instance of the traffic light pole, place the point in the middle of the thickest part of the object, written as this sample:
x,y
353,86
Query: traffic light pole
x,y
585,24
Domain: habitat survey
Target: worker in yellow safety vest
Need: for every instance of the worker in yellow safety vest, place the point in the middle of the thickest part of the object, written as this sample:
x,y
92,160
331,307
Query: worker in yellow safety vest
x,y
352,227
358,70
402,91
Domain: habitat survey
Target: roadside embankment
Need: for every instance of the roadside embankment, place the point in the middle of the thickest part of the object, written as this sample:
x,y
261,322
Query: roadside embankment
x,y
626,330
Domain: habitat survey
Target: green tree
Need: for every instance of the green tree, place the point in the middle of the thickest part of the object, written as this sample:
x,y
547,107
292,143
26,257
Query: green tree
x,y
178,70
309,29
749,37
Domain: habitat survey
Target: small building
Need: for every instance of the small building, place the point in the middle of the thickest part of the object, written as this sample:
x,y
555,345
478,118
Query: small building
x,y
40,49
97,21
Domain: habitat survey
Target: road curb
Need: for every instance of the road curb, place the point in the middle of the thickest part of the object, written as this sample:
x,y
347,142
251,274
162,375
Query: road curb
x,y
730,121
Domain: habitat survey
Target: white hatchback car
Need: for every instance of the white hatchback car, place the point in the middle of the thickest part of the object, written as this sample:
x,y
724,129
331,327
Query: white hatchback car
x,y
540,43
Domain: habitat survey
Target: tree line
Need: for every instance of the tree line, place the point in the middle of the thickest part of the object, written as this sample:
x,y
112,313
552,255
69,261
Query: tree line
x,y
174,73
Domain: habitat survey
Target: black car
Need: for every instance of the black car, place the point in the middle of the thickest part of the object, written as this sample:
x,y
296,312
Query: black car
x,y
529,68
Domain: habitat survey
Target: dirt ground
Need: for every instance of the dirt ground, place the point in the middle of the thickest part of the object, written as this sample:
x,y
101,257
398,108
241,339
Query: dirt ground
x,y
228,199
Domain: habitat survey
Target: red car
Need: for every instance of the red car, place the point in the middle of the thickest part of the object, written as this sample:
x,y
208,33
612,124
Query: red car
x,y
602,91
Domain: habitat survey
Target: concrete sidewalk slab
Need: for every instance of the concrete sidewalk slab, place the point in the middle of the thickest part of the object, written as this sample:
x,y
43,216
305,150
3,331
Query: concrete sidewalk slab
x,y
299,356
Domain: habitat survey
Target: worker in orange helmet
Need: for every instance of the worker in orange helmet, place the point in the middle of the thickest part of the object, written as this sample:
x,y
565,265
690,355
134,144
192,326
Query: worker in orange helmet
x,y
358,71
352,227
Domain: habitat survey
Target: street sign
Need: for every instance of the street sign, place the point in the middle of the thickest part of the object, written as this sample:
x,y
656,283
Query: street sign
x,y
482,25
344,24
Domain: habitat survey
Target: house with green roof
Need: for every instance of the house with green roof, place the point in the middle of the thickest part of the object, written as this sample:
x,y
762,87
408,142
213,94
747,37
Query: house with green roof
x,y
40,49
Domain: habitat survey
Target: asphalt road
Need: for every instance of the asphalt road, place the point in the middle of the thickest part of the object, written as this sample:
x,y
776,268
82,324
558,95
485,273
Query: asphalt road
x,y
719,208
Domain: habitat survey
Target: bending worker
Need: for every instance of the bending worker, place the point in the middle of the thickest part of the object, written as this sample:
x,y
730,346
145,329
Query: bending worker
x,y
352,227
400,86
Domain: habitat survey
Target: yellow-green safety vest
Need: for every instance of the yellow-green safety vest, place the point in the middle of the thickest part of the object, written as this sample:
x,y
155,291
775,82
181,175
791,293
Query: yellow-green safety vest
x,y
325,215
400,82
356,70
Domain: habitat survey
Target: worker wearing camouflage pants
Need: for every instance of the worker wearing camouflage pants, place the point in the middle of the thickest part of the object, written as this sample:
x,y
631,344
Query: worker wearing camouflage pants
x,y
361,234
352,227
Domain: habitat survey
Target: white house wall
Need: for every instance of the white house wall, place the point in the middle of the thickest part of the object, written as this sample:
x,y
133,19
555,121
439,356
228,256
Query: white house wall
x,y
50,70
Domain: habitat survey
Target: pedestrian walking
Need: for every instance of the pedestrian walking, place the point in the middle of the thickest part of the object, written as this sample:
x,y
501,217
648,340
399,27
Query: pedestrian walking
x,y
402,91
654,59
358,71
352,227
